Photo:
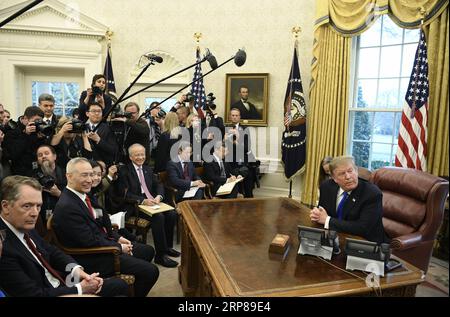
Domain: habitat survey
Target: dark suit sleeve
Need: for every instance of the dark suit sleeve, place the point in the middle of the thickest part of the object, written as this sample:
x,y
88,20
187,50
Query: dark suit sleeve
x,y
157,187
70,225
370,213
212,174
82,106
125,186
174,178
18,283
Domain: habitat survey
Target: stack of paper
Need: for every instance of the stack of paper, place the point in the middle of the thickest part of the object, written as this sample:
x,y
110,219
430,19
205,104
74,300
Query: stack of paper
x,y
227,188
151,210
118,219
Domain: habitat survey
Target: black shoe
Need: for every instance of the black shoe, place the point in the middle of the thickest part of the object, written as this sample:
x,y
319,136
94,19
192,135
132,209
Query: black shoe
x,y
166,262
174,253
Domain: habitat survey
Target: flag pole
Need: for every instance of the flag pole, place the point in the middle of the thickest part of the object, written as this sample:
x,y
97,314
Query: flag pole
x,y
108,35
296,30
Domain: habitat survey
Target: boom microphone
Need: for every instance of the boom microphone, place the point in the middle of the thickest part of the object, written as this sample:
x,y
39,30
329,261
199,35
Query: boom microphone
x,y
211,59
154,57
240,57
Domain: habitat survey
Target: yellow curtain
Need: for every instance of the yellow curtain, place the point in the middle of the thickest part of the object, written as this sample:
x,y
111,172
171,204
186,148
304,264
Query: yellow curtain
x,y
352,17
328,109
438,134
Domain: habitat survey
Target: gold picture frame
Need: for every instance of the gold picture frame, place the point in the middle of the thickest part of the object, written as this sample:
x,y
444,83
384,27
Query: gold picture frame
x,y
254,113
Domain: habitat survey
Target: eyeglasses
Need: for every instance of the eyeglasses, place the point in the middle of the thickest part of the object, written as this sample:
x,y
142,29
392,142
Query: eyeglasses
x,y
2,235
95,111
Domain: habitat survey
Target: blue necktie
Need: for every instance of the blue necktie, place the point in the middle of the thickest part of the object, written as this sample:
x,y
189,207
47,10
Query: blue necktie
x,y
341,205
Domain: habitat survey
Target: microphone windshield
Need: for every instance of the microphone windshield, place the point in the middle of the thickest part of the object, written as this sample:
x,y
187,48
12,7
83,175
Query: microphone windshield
x,y
212,61
154,58
240,57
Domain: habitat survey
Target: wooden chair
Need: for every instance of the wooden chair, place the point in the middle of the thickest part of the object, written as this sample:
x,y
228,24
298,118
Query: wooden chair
x,y
200,171
114,251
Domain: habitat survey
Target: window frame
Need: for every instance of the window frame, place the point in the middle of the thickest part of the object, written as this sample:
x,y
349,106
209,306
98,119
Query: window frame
x,y
353,95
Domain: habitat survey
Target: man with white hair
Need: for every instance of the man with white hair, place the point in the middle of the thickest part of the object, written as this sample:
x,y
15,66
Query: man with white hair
x,y
78,225
348,204
138,183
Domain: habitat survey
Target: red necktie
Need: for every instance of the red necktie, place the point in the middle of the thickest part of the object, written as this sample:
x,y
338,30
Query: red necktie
x,y
44,263
91,210
185,170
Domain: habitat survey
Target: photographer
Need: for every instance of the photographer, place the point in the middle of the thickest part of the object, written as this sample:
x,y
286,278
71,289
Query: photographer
x,y
103,142
135,129
212,119
96,93
52,179
22,142
71,141
156,125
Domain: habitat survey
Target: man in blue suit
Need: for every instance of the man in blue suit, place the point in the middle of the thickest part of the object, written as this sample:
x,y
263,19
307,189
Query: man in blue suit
x,y
181,173
348,204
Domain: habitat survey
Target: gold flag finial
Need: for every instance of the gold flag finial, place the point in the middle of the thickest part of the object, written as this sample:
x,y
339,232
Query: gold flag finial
x,y
296,30
109,35
198,36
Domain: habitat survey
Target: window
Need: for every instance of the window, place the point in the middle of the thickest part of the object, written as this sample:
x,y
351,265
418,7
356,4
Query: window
x,y
66,95
383,63
166,106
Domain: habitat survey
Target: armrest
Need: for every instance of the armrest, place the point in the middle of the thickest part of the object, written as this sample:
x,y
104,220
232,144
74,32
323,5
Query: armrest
x,y
406,241
115,251
96,250
172,193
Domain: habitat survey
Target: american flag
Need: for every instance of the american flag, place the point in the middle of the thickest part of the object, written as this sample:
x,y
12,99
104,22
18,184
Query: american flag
x,y
198,90
412,139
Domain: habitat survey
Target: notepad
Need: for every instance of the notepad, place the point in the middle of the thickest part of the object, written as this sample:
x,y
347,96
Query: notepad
x,y
227,188
151,210
190,193
118,219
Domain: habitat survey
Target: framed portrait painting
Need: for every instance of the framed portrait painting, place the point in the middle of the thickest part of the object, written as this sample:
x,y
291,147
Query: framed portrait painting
x,y
250,94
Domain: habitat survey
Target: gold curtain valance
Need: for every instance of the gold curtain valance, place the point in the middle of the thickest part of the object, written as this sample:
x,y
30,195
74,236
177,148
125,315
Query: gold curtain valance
x,y
352,17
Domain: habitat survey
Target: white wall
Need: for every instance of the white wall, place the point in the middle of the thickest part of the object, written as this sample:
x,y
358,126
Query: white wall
x,y
262,27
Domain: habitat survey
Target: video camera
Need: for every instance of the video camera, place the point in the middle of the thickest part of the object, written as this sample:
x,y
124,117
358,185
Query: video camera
x,y
10,125
44,128
78,126
96,90
47,181
122,114
189,97
210,106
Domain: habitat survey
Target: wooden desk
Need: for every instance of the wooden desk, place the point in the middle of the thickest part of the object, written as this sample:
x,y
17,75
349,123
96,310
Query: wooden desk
x,y
225,253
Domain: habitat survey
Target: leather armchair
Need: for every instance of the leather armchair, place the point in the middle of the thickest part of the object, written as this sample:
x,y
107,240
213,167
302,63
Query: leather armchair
x,y
413,205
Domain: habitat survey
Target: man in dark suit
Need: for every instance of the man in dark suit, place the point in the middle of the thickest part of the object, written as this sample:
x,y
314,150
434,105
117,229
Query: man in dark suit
x,y
218,171
103,142
181,173
247,109
348,204
78,225
47,105
237,138
138,183
29,266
